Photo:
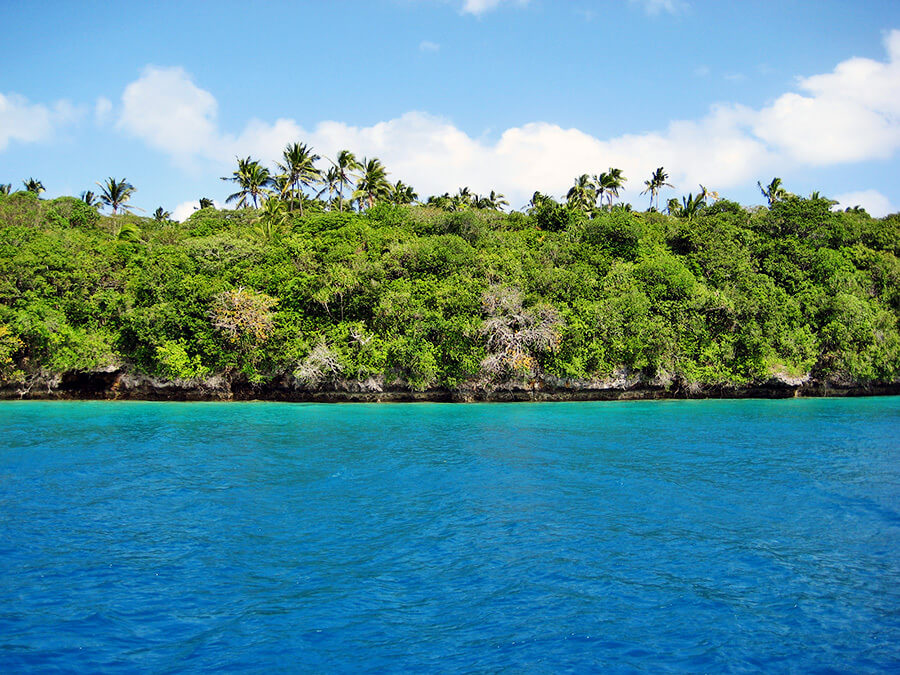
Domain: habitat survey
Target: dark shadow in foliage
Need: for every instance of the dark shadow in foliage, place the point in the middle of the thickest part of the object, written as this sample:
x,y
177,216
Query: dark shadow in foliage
x,y
679,240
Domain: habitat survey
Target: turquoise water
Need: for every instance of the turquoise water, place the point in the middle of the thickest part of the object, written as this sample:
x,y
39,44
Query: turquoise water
x,y
686,536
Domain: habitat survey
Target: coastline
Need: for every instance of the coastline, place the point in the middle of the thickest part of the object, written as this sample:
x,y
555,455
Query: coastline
x,y
124,386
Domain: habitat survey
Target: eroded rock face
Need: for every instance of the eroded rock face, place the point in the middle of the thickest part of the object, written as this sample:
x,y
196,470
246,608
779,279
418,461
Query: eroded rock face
x,y
782,378
622,385
143,387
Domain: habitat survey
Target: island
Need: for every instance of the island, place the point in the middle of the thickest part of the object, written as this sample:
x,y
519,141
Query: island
x,y
341,286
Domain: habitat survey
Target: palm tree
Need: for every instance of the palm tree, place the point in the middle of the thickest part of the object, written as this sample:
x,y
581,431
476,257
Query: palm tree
x,y
656,183
583,195
330,183
443,201
373,183
114,193
773,192
299,168
34,186
206,203
651,188
690,206
538,200
272,222
610,182
600,182
281,186
708,194
161,215
90,198
463,198
816,195
496,201
254,181
401,193
5,188
345,164
673,207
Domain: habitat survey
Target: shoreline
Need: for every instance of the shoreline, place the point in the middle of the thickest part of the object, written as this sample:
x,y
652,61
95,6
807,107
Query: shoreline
x,y
124,386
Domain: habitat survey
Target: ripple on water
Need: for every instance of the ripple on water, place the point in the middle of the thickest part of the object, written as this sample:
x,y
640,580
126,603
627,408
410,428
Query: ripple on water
x,y
654,536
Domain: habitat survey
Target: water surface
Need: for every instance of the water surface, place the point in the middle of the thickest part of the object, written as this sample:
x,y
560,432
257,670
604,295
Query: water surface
x,y
683,536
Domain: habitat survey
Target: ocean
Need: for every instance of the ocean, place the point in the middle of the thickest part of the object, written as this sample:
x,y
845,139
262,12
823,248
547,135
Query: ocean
x,y
660,536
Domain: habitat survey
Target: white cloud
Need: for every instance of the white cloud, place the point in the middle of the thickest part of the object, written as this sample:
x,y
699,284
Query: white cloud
x,y
655,7
651,7
262,139
871,200
166,109
481,6
184,210
102,110
172,114
26,122
435,156
428,46
850,114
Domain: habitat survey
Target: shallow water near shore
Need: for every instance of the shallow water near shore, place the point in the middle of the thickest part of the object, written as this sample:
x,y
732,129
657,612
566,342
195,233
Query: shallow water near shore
x,y
660,536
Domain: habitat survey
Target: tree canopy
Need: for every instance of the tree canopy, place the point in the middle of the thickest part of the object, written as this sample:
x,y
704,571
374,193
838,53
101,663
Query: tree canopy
x,y
449,292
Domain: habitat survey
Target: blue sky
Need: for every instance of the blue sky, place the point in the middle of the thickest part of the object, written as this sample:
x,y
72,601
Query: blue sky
x,y
512,95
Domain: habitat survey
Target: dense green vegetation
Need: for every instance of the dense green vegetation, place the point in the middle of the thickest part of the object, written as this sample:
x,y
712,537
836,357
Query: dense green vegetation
x,y
448,293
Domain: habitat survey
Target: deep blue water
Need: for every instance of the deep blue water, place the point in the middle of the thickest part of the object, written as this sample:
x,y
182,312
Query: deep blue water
x,y
688,536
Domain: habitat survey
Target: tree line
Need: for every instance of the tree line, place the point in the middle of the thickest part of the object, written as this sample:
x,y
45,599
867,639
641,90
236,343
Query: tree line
x,y
298,183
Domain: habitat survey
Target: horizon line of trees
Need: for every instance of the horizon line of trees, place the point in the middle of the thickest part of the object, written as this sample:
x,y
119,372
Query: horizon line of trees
x,y
298,184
